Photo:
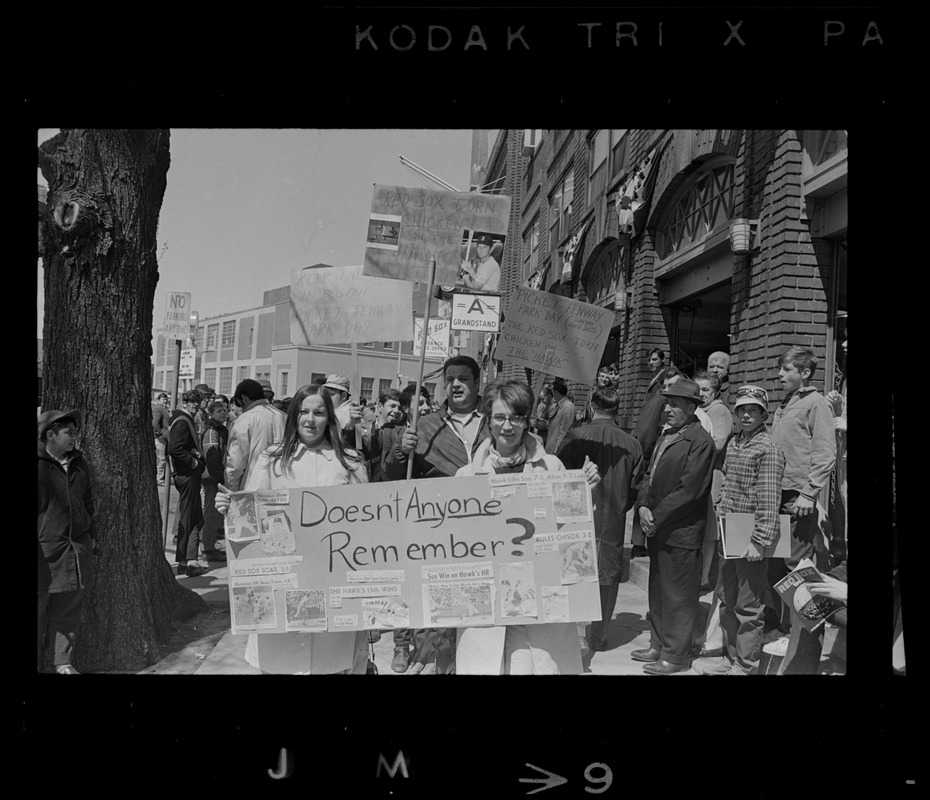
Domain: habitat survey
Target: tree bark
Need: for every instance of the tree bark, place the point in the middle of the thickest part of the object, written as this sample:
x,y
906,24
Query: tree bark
x,y
99,240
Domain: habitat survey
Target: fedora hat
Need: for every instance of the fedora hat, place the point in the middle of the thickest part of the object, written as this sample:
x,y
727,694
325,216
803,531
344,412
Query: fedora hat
x,y
686,388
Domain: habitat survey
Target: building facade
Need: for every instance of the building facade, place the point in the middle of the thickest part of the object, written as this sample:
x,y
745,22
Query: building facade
x,y
255,343
651,224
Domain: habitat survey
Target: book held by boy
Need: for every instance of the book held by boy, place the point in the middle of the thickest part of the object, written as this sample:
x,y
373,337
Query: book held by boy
x,y
736,533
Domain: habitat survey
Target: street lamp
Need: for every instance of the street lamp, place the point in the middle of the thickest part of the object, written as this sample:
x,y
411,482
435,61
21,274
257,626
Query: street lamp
x,y
744,235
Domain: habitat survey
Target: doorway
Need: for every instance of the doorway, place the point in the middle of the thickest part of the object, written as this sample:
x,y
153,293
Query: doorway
x,y
700,326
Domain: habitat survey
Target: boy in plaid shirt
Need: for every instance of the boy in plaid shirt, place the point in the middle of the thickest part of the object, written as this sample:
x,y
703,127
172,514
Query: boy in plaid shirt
x,y
753,473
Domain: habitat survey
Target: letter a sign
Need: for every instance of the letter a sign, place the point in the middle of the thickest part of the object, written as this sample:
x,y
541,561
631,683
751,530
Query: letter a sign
x,y
178,315
476,312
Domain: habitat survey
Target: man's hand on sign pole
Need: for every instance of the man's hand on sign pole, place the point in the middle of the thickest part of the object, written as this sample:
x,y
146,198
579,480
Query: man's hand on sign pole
x,y
222,499
408,442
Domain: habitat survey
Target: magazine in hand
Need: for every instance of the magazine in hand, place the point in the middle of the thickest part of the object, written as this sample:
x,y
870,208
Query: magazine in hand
x,y
813,610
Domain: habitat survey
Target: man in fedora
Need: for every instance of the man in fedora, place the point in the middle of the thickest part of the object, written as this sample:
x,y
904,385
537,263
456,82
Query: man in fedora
x,y
484,273
66,535
672,510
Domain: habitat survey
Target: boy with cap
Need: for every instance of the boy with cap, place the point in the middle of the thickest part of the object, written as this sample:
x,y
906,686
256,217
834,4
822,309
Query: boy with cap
x,y
348,414
66,538
753,471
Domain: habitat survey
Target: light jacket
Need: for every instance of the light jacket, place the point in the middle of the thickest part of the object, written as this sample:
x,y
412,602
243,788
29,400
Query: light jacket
x,y
66,528
803,428
253,432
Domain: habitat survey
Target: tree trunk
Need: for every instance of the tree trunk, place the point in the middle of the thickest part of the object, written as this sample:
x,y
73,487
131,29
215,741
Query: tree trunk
x,y
105,193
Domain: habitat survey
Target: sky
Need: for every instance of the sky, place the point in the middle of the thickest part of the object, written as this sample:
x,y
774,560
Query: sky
x,y
245,207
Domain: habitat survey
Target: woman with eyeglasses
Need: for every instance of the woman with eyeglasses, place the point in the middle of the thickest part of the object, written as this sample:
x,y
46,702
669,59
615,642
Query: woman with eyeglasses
x,y
516,649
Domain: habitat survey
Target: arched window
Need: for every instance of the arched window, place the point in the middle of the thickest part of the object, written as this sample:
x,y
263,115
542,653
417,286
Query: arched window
x,y
605,280
704,205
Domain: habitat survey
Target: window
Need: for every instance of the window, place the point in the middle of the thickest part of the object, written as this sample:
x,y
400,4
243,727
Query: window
x,y
560,210
229,333
284,377
368,344
704,205
389,345
225,386
161,349
531,250
200,335
598,146
209,378
620,161
243,373
383,385
263,376
213,332
367,387
317,377
605,281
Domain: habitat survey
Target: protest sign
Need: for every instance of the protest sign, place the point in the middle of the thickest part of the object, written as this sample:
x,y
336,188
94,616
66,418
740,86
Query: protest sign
x,y
476,312
483,550
437,338
554,334
408,227
339,305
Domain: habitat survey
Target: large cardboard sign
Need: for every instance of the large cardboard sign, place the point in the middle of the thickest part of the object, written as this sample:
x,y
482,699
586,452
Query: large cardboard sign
x,y
407,227
485,550
339,305
554,334
476,312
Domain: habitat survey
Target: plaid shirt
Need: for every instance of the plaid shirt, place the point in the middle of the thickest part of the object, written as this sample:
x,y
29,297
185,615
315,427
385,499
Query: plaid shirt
x,y
753,473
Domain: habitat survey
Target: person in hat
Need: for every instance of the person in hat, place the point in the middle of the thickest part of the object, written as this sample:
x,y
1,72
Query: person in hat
x,y
201,415
348,414
67,539
483,273
672,509
161,419
753,470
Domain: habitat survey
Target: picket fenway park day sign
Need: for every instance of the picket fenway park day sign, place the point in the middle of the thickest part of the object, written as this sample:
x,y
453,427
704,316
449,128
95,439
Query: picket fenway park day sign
x,y
446,552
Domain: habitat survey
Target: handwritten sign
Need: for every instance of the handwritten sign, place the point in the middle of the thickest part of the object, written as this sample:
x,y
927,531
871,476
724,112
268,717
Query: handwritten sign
x,y
466,556
336,305
407,227
554,334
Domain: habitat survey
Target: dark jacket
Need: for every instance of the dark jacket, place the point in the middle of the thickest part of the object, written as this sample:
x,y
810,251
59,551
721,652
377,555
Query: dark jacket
x,y
66,524
184,444
213,445
619,459
439,452
678,489
161,419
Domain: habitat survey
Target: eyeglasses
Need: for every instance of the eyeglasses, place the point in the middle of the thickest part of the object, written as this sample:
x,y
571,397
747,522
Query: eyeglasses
x,y
500,419
751,391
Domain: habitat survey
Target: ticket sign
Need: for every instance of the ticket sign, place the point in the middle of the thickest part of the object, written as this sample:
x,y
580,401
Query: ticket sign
x,y
188,359
178,315
485,550
554,334
476,312
407,227
437,338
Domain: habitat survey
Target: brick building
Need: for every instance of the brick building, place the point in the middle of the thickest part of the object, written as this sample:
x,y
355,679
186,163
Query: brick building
x,y
649,223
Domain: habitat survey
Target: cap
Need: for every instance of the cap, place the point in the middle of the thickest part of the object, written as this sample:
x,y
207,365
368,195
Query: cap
x,y
266,386
203,388
484,238
49,418
685,388
338,382
748,394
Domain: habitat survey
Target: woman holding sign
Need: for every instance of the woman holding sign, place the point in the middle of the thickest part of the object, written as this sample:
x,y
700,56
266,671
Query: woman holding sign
x,y
546,649
311,454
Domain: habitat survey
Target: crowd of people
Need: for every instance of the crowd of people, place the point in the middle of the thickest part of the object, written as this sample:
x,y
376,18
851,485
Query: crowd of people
x,y
691,460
